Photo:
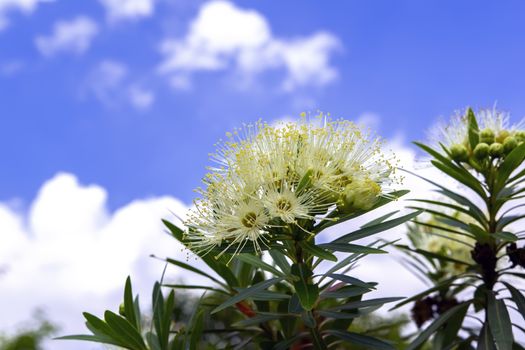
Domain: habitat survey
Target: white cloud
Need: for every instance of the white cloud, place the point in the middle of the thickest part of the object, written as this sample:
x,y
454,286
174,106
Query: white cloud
x,y
25,6
72,36
128,9
224,36
109,82
68,254
140,98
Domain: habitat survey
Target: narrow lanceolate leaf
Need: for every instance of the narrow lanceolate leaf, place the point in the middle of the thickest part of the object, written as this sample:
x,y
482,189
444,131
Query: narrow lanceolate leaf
x,y
518,298
364,303
485,341
257,262
307,292
473,129
247,293
351,248
505,236
91,338
499,323
383,200
193,269
511,162
127,333
177,232
318,251
129,307
441,320
359,339
370,230
350,280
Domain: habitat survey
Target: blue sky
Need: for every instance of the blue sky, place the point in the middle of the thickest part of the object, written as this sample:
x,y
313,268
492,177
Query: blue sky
x,y
109,108
407,62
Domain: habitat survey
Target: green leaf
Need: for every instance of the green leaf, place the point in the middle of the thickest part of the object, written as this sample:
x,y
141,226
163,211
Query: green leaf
x,y
307,292
177,232
129,306
370,230
345,292
364,303
450,332
482,220
432,255
129,335
384,199
350,280
280,260
518,298
351,248
485,341
257,262
441,286
424,335
499,323
99,327
380,219
363,340
452,195
510,163
195,270
261,318
247,293
505,236
473,129
286,344
91,338
456,172
317,250
184,286
196,327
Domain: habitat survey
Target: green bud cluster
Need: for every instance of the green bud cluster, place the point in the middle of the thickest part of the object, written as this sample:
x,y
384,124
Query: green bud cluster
x,y
490,146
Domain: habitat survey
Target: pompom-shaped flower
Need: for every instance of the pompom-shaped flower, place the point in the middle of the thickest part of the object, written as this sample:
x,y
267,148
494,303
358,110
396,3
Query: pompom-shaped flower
x,y
280,181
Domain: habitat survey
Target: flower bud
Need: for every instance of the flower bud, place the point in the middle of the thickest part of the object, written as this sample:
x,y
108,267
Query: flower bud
x,y
502,135
520,136
496,150
486,136
481,151
509,144
359,195
121,310
459,153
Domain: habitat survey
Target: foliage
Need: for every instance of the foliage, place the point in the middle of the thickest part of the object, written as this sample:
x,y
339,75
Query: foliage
x,y
271,282
485,156
29,338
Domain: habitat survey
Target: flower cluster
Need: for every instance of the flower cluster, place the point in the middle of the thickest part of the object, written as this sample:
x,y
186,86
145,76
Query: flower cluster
x,y
428,237
275,181
495,137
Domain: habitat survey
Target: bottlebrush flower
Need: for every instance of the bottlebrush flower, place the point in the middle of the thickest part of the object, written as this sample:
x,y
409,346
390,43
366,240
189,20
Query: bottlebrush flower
x,y
271,181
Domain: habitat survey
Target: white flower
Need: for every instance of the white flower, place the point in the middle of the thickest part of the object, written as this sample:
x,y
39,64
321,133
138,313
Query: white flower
x,y
268,177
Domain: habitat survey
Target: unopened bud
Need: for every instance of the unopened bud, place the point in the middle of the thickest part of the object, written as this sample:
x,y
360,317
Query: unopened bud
x,y
360,195
121,309
520,136
502,135
459,153
496,150
509,144
481,151
486,136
